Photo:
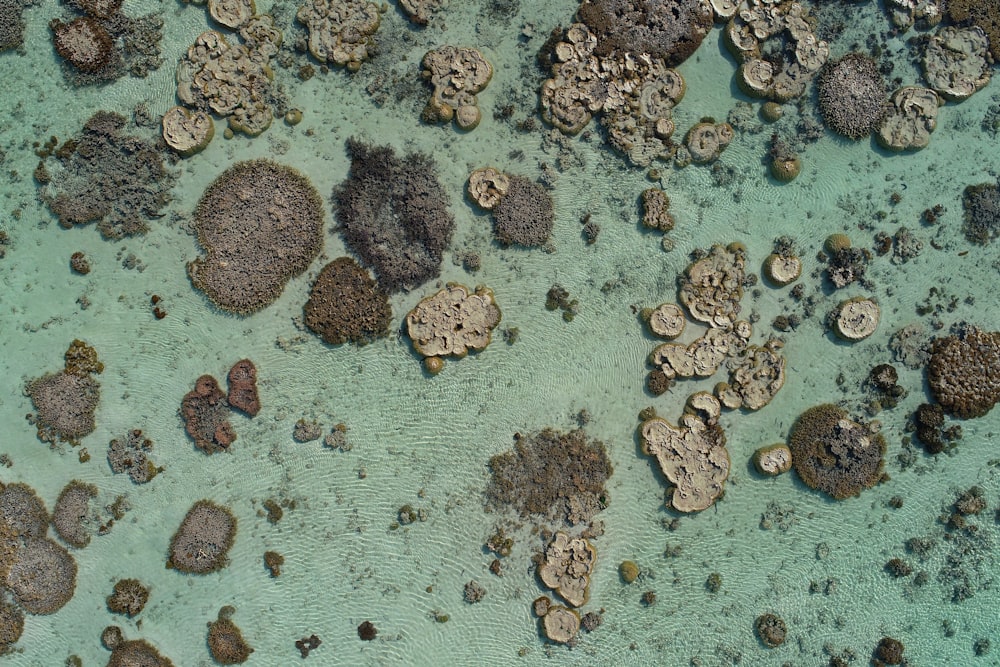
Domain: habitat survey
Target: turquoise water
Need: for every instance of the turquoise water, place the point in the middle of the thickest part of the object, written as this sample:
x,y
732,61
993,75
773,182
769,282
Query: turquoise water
x,y
426,441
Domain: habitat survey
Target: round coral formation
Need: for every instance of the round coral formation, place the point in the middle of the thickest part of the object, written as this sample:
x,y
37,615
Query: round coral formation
x,y
225,640
782,269
346,306
69,517
670,30
628,571
340,31
65,404
23,512
771,630
453,322
856,319
11,625
487,186
187,132
833,454
561,624
42,576
203,539
964,372
393,215
667,321
525,215
205,412
83,43
129,597
773,459
456,75
786,168
852,96
131,454
260,224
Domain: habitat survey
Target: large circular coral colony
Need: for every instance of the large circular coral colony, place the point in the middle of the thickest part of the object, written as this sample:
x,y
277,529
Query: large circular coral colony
x,y
730,264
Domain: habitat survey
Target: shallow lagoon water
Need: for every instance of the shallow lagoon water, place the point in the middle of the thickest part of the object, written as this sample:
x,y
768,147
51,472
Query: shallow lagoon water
x,y
426,441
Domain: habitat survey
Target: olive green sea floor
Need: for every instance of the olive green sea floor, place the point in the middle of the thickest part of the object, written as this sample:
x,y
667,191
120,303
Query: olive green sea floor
x,y
425,441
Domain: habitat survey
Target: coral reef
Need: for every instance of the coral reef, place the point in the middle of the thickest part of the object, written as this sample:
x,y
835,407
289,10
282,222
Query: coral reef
x,y
982,13
231,13
909,119
393,215
346,306
341,32
65,402
560,624
835,455
703,356
205,412
129,597
487,186
83,43
711,287
233,81
755,376
131,454
655,213
133,652
670,30
773,459
453,322
225,640
692,456
782,270
855,319
964,372
11,37
924,13
456,74
666,321
420,12
260,224
845,263
273,562
23,512
852,96
242,381
567,566
956,62
105,176
187,132
778,51
704,142
551,474
204,537
981,204
69,516
771,630
11,621
524,215
42,576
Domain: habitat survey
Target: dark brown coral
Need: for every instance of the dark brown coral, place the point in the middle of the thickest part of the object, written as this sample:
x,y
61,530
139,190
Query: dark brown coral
x,y
346,305
205,411
243,394
964,372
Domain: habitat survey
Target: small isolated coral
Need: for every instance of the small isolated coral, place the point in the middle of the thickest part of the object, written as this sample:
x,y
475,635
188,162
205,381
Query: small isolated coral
x,y
835,455
129,597
107,177
260,223
771,630
130,454
243,395
393,214
346,306
65,402
551,474
964,372
852,96
203,539
225,640
982,212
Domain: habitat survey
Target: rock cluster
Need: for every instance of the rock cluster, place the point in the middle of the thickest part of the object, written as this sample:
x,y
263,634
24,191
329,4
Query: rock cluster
x,y
634,92
777,48
566,567
203,539
835,455
852,96
692,456
107,177
232,80
964,372
393,214
65,402
956,61
341,32
456,74
549,474
260,223
346,305
453,321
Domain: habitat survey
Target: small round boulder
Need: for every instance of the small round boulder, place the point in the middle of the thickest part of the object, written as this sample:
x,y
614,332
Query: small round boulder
x,y
771,630
782,269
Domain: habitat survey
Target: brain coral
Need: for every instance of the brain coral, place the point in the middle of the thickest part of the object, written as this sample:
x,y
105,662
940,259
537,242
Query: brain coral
x,y
205,535
852,96
667,29
260,224
833,454
346,305
524,216
964,372
393,215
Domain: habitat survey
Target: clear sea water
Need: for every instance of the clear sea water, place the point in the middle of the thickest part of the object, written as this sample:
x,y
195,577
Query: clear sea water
x,y
426,441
